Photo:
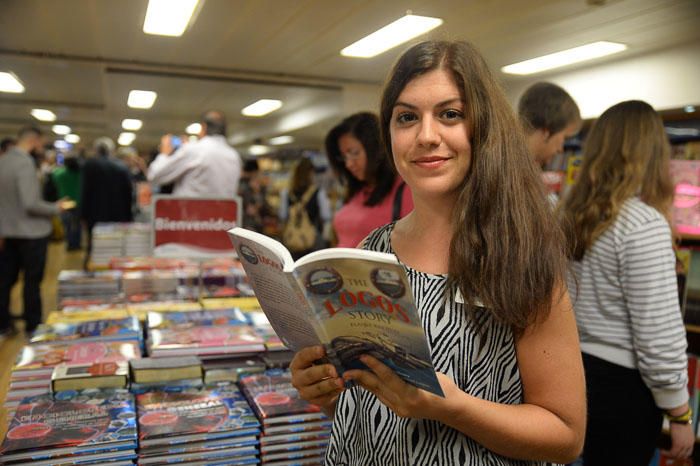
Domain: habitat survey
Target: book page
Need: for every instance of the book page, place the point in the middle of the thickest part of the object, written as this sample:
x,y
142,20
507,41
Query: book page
x,y
365,306
264,261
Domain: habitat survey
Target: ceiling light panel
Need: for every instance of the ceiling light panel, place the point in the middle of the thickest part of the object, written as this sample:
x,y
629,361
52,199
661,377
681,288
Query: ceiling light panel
x,y
565,57
168,17
391,35
141,99
72,138
10,83
61,130
126,138
262,107
42,114
132,124
193,128
280,140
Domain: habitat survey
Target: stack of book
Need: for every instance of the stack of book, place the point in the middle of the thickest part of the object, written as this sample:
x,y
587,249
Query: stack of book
x,y
224,278
292,429
157,285
206,333
35,364
131,263
107,242
212,426
168,374
231,369
78,287
137,239
105,330
73,427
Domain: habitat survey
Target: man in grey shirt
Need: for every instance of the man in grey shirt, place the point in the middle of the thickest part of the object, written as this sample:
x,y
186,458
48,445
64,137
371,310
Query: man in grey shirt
x,y
25,225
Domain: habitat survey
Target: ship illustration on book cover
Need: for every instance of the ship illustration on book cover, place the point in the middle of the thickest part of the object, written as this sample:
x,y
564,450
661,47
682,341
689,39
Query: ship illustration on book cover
x,y
87,418
272,394
163,414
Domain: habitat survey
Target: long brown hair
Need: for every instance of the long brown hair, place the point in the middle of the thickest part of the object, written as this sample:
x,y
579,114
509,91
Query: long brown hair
x,y
626,154
302,177
507,248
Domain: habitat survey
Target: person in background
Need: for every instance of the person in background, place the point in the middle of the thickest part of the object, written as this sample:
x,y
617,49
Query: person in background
x,y
209,167
106,191
549,116
253,194
6,144
632,334
484,256
304,191
25,224
374,191
65,182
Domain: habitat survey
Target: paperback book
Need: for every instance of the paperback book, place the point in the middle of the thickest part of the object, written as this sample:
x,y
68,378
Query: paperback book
x,y
94,375
352,301
95,330
204,341
189,319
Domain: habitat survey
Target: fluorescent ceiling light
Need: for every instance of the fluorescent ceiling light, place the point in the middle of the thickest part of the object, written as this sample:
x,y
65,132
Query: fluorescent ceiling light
x,y
258,149
391,35
262,107
689,108
141,99
132,124
125,139
280,140
61,129
72,138
10,83
42,114
193,128
565,57
168,17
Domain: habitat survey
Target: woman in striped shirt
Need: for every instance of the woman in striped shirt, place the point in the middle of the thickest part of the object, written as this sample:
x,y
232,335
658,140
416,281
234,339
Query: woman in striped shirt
x,y
624,290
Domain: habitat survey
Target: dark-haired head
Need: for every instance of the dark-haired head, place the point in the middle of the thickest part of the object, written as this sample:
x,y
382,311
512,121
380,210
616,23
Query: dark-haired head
x,y
501,218
213,123
379,174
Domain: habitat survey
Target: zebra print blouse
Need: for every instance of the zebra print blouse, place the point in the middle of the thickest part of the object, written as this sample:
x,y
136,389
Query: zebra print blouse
x,y
484,364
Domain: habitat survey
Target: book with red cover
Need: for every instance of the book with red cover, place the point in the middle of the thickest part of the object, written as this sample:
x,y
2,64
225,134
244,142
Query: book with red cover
x,y
275,400
70,423
36,360
206,340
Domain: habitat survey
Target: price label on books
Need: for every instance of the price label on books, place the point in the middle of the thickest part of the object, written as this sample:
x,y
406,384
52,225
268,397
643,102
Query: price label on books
x,y
189,227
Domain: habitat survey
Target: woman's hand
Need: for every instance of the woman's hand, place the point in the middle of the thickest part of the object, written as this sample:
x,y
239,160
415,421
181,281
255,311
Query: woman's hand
x,y
402,398
317,384
682,441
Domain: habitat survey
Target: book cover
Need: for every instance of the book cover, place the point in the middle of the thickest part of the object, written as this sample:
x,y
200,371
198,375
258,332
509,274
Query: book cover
x,y
353,302
95,330
163,414
201,318
83,420
272,395
41,359
114,374
205,340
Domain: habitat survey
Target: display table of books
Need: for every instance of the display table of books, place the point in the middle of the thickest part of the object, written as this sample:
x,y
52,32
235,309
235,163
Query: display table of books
x,y
194,379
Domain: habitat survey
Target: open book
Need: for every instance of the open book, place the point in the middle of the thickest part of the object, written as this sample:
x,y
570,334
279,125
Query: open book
x,y
351,301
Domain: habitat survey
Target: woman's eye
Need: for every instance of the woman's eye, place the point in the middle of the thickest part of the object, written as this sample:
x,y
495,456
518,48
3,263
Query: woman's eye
x,y
405,117
452,114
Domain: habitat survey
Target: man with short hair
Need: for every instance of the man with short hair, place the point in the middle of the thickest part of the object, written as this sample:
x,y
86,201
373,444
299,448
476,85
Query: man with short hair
x,y
209,167
25,225
549,116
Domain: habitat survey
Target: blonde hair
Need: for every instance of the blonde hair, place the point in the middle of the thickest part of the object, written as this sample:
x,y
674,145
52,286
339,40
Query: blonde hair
x,y
626,154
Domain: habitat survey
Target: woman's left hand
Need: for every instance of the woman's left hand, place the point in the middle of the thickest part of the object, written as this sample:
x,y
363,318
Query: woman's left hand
x,y
402,398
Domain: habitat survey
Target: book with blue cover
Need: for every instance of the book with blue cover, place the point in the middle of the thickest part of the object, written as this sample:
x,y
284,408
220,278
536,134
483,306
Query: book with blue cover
x,y
203,318
95,330
353,302
73,422
193,415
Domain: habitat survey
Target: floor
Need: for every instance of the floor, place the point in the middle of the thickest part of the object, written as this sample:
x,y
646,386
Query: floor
x,y
57,259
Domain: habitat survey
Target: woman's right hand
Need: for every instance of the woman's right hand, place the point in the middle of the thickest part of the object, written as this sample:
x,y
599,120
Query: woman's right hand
x,y
317,384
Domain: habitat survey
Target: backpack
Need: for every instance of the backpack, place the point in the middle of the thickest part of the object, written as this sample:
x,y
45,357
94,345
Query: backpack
x,y
300,234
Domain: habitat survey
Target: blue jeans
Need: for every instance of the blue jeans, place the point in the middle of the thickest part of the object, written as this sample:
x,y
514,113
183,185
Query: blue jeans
x,y
71,223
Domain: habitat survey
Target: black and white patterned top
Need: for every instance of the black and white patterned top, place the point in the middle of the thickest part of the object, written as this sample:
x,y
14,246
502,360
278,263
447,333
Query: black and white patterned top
x,y
483,364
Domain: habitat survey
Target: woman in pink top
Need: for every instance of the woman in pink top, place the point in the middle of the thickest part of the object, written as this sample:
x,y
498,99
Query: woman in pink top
x,y
374,190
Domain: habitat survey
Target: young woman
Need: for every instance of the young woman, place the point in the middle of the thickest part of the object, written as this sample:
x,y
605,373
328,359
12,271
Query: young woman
x,y
485,259
632,335
375,195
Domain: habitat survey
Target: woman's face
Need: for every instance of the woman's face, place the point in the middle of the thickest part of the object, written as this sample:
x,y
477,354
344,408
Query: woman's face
x,y
354,156
430,136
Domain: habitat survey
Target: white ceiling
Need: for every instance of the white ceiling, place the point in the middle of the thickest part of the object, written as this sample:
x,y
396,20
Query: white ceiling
x,y
80,58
